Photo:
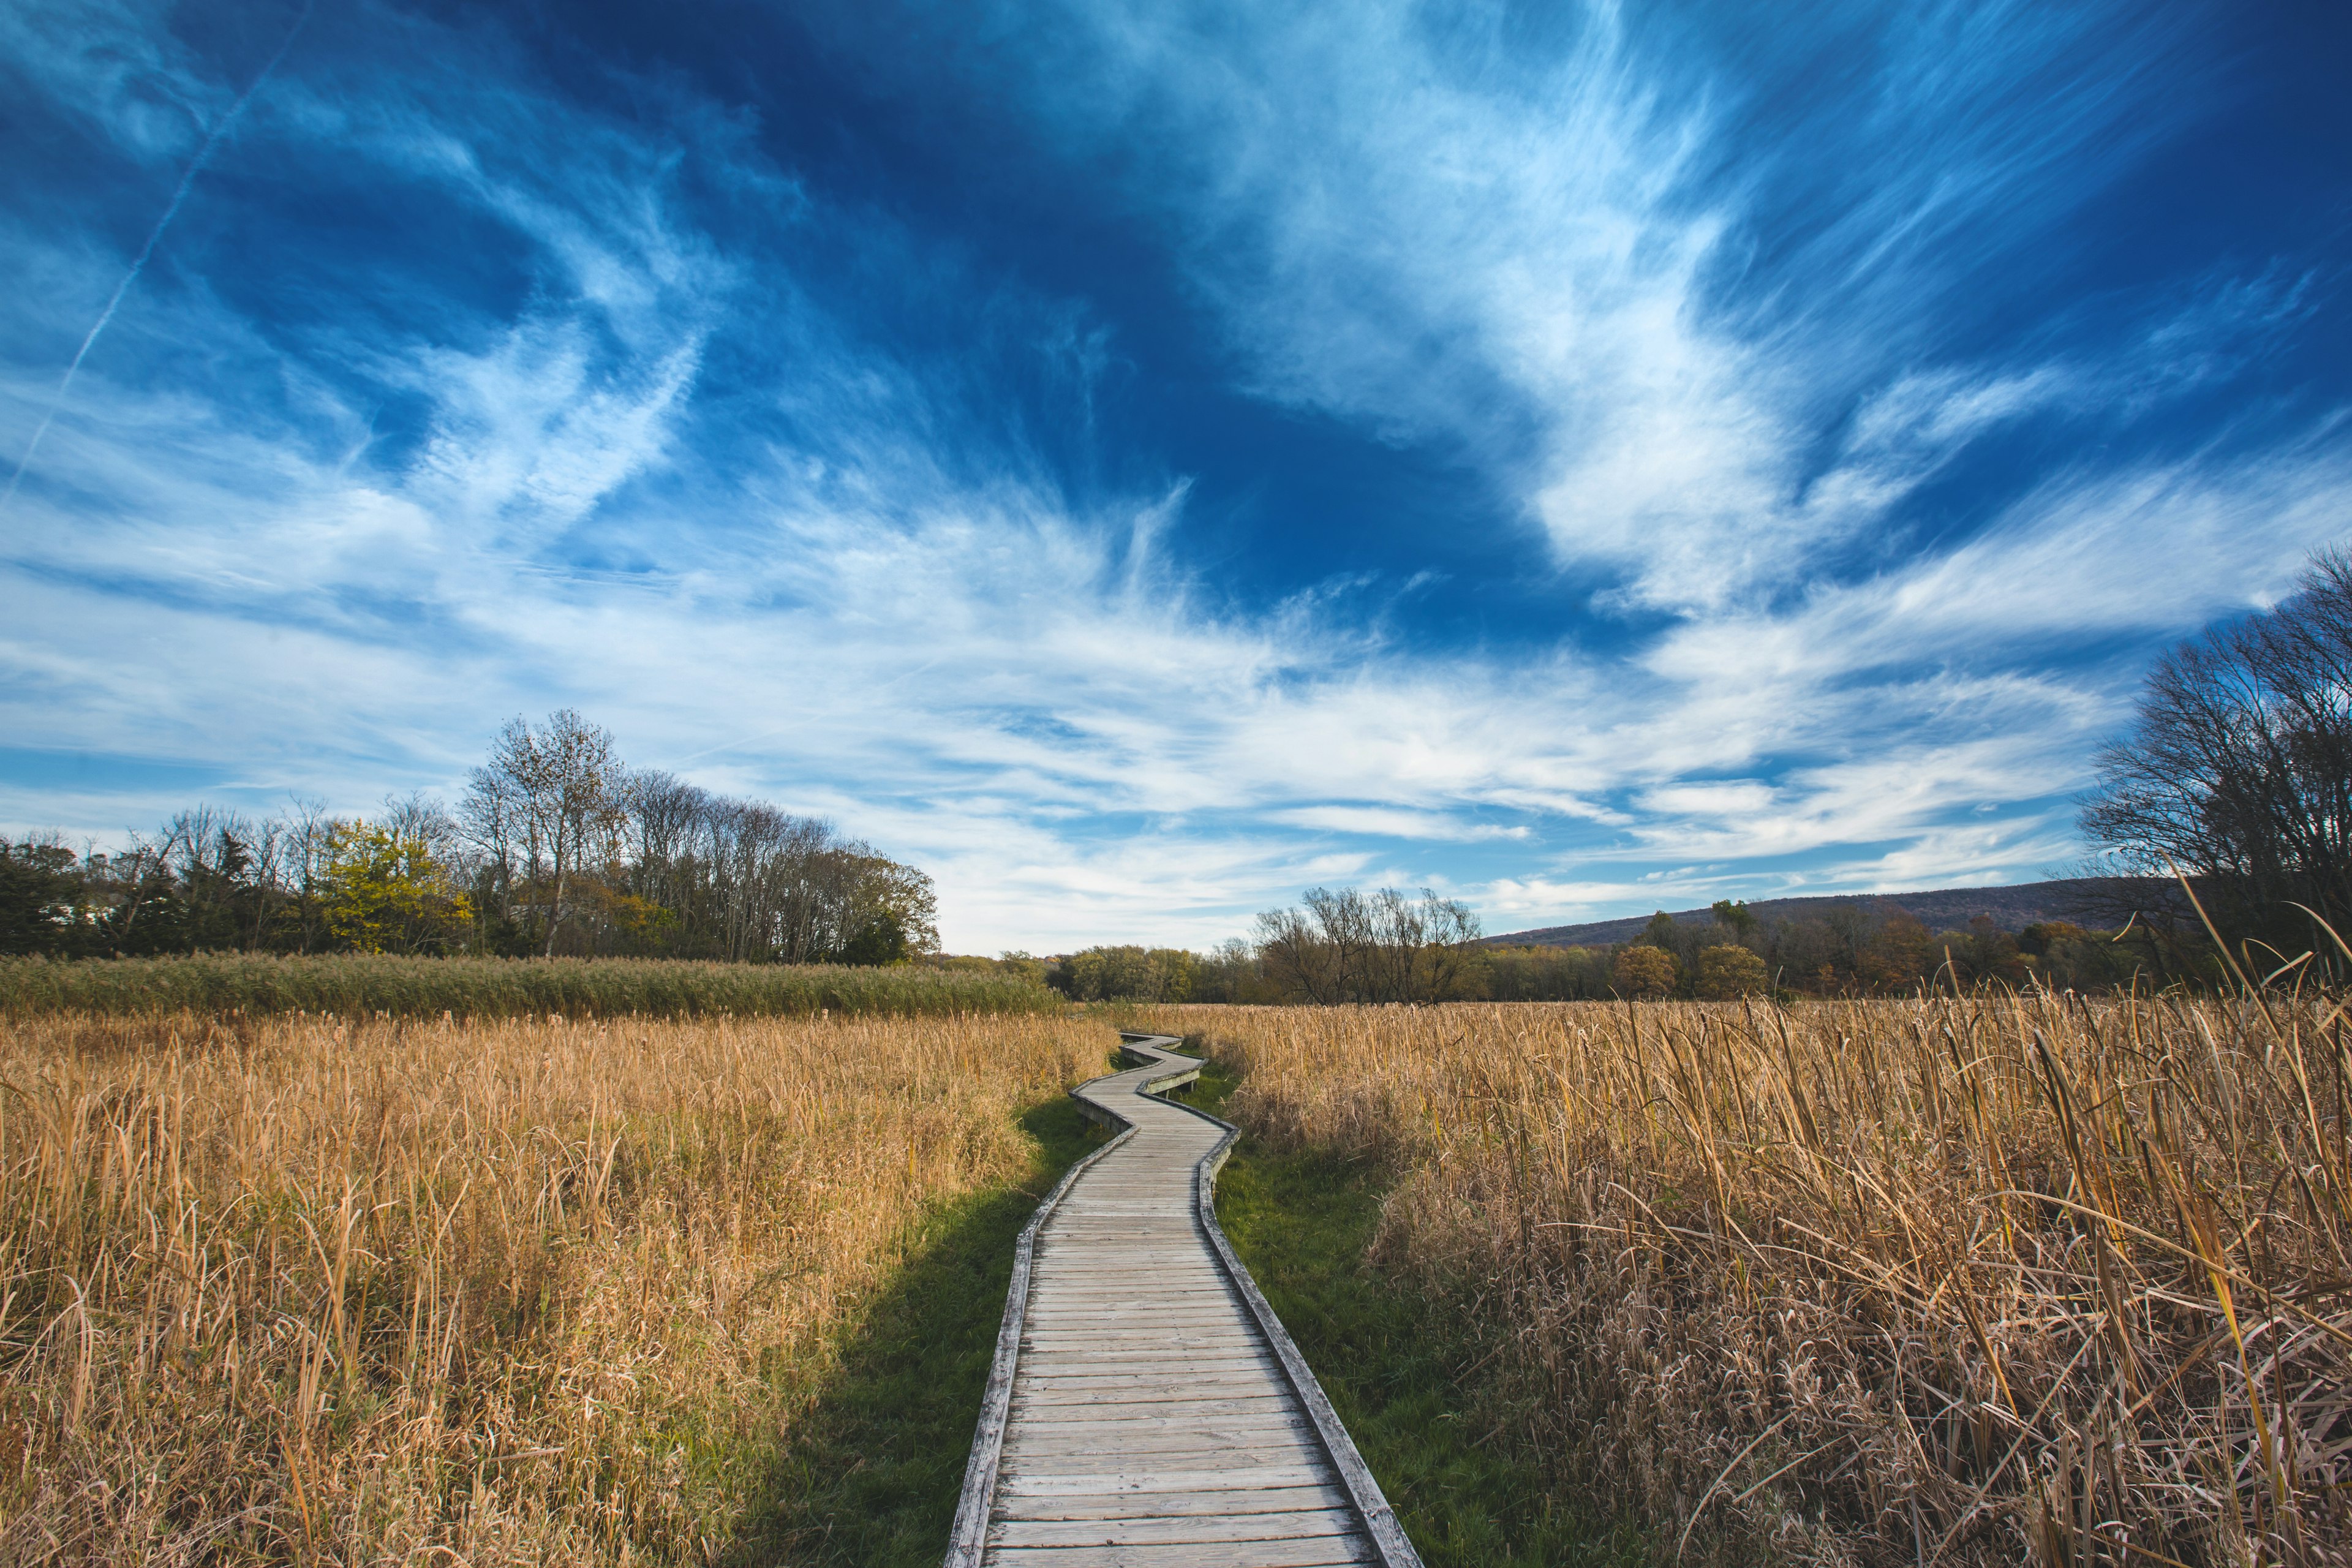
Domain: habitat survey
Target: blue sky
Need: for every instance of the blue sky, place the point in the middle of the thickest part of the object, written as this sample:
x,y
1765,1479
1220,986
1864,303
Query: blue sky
x,y
1137,460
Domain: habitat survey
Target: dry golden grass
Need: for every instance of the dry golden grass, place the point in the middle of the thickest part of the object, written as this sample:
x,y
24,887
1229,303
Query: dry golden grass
x,y
309,1291
1985,1280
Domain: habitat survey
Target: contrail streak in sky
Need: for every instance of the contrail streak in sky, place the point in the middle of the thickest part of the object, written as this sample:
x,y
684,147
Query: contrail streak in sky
x,y
171,210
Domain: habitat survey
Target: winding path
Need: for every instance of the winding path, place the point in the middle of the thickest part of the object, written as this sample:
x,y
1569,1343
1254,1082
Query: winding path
x,y
1146,1408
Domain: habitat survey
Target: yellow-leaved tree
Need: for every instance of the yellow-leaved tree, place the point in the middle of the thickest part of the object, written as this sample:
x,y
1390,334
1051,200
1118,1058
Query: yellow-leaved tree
x,y
1726,972
386,894
1647,972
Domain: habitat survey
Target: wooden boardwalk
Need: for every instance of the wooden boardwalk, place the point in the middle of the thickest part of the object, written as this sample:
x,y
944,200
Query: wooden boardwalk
x,y
1145,1408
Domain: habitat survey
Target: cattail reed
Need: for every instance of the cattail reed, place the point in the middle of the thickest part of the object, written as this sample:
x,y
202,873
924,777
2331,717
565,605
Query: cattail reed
x,y
311,1291
1973,1280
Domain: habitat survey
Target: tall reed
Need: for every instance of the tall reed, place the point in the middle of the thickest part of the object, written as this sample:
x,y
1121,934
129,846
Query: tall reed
x,y
308,1291
1956,1280
502,987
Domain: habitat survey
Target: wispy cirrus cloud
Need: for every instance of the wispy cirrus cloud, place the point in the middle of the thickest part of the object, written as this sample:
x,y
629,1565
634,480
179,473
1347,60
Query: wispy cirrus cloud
x,y
460,392
1576,256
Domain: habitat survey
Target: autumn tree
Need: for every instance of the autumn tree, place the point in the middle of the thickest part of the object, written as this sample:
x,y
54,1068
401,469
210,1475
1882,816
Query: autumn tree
x,y
1125,973
557,847
386,894
1645,972
1727,970
1738,916
1899,955
1984,952
886,896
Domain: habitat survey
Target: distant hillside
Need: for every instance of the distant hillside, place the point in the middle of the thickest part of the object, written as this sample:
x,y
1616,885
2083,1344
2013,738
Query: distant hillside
x,y
2104,900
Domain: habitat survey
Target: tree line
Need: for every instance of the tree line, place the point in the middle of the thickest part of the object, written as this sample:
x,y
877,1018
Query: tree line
x,y
1340,945
1864,948
557,848
1352,945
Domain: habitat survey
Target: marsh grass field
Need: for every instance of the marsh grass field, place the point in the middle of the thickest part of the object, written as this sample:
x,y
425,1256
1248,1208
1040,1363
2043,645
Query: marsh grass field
x,y
309,1290
1982,1279
1967,1280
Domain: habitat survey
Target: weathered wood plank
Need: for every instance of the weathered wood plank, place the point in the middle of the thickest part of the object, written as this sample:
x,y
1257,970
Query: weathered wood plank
x,y
1136,1428
1228,1502
1137,1437
1143,1355
1156,1531
1147,1452
1311,1552
1068,1374
1109,1343
1055,1457
1220,1339
1165,1406
1137,1296
1137,1422
1173,1381
1098,1483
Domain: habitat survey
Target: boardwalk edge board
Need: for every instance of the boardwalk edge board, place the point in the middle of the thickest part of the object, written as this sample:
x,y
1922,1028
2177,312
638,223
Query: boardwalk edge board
x,y
969,1540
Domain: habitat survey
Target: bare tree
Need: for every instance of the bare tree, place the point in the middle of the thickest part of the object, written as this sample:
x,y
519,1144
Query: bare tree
x,y
558,793
1450,933
1349,946
269,877
309,836
424,818
2238,768
131,878
1343,921
1297,957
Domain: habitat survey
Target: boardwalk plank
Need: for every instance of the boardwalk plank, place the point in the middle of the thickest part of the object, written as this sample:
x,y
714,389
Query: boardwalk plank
x,y
1311,1551
1098,1483
1185,1529
1229,1502
1055,1456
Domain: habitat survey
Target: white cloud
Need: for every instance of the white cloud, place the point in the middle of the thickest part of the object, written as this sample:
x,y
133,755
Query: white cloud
x,y
858,615
1390,823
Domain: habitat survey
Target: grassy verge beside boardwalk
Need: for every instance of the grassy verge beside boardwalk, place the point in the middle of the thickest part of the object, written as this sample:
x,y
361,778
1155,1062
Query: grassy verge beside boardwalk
x,y
366,984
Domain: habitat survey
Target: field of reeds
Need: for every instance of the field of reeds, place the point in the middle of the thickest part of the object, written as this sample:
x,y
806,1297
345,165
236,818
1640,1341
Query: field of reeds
x,y
310,1290
368,983
1981,1279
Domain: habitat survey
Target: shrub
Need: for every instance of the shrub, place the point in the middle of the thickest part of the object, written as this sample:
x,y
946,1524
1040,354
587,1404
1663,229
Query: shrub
x,y
1125,973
